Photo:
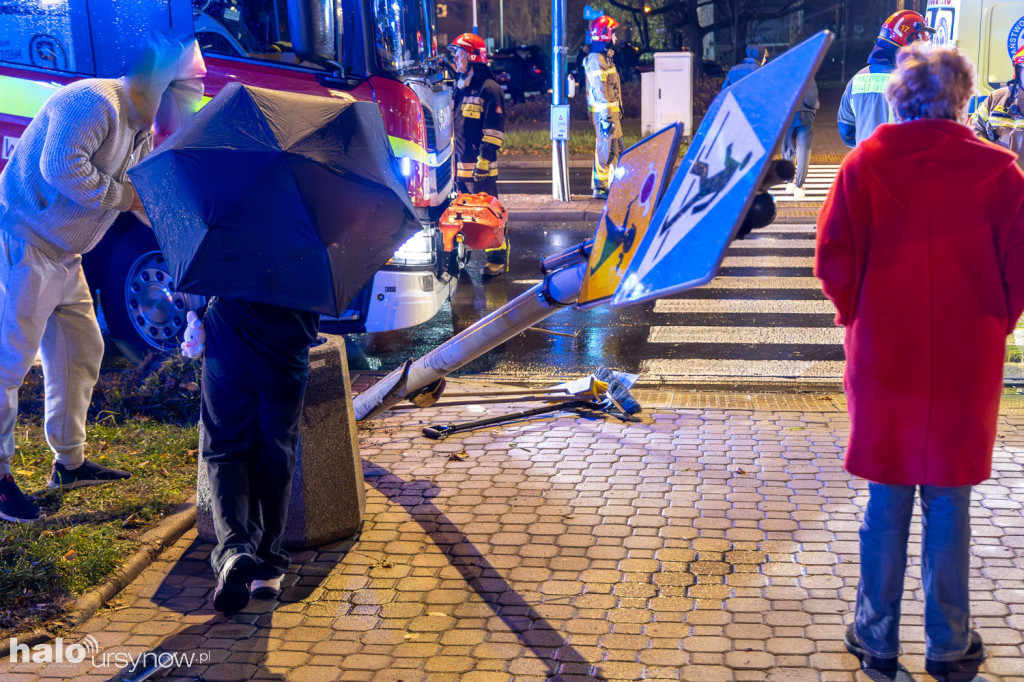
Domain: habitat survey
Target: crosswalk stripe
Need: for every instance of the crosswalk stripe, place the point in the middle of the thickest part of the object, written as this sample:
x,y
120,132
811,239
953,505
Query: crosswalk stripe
x,y
741,305
817,184
768,262
773,244
727,282
695,368
751,335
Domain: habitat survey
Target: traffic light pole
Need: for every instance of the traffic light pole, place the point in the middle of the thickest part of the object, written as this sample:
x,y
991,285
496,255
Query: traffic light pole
x,y
559,73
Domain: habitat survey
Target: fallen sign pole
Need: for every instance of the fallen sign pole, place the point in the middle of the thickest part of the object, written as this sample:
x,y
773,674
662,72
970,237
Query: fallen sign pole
x,y
650,241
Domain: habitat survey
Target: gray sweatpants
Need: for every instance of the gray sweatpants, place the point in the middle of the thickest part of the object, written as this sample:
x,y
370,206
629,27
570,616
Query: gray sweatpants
x,y
46,304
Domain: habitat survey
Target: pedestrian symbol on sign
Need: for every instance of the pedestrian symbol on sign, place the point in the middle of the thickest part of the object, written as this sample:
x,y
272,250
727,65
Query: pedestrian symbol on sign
x,y
8,147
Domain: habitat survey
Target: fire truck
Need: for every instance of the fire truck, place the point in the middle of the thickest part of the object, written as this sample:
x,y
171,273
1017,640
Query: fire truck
x,y
373,50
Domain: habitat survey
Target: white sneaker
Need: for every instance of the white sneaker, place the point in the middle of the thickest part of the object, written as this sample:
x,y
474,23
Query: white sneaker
x,y
790,188
266,589
798,192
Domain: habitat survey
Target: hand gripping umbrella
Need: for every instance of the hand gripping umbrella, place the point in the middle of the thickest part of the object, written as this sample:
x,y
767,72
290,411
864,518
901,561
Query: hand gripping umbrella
x,y
278,198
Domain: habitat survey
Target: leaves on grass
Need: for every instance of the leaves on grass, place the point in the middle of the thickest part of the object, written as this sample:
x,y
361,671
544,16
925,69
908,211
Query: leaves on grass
x,y
71,555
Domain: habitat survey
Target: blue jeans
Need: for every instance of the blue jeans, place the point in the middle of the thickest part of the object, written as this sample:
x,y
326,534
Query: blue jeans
x,y
945,559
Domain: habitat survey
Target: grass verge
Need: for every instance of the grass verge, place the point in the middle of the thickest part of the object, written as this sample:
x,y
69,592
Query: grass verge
x,y
89,532
581,139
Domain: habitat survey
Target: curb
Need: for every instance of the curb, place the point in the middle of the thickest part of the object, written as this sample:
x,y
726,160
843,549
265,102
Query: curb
x,y
153,543
554,215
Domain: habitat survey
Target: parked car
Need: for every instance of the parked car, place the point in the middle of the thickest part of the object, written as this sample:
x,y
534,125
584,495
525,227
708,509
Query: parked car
x,y
521,71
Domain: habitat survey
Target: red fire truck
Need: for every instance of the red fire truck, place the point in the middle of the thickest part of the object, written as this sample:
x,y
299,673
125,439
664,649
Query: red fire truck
x,y
375,50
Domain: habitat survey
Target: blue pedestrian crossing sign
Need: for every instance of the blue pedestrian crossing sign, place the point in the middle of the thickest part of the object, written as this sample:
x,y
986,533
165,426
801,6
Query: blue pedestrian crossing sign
x,y
719,176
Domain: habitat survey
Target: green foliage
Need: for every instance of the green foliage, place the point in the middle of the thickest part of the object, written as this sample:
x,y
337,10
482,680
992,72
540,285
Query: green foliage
x,y
88,532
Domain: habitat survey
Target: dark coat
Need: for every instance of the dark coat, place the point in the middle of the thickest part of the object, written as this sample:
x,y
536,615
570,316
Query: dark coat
x,y
921,249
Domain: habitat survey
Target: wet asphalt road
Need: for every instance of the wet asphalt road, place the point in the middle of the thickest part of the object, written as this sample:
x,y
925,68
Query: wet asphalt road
x,y
605,335
538,180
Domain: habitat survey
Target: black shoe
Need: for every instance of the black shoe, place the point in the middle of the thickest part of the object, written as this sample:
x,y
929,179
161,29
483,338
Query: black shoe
x,y
89,473
868,660
600,194
266,589
232,591
975,652
14,506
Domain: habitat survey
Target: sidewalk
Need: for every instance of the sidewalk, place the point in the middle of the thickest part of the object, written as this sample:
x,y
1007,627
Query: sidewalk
x,y
715,540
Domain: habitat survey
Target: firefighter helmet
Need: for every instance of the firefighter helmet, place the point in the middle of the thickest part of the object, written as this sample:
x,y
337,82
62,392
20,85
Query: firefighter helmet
x,y
602,28
474,46
905,27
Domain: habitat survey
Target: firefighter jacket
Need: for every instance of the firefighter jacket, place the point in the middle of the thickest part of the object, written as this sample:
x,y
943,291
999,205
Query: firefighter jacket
x,y
479,123
604,92
999,119
864,107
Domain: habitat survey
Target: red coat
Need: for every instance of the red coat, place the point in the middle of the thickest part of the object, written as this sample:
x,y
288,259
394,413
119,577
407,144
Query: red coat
x,y
921,249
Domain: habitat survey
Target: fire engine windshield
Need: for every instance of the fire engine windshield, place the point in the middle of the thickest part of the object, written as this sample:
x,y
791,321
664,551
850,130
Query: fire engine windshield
x,y
244,28
404,33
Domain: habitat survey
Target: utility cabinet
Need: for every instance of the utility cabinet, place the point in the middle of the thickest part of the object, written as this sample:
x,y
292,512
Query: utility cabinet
x,y
667,93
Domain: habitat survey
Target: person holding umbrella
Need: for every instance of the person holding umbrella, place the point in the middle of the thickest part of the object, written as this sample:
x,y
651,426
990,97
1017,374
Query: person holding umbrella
x,y
62,188
479,130
245,205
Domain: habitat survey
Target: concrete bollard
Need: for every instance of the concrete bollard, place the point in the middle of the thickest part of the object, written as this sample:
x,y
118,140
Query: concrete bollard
x,y
329,505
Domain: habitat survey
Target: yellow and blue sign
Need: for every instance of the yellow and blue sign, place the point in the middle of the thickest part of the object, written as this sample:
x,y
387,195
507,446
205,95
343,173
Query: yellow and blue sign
x,y
637,185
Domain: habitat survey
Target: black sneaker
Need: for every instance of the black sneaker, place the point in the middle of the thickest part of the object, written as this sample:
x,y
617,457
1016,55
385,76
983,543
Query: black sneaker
x,y
975,652
14,506
600,194
493,269
232,591
89,473
266,589
868,660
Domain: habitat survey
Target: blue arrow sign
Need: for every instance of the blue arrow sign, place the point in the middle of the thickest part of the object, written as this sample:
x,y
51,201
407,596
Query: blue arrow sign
x,y
719,176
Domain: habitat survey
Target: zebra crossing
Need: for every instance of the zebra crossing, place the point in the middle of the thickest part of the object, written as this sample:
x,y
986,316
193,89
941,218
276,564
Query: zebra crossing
x,y
763,319
816,185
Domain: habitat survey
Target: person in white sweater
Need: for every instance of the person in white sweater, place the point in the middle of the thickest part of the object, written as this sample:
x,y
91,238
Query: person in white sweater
x,y
63,187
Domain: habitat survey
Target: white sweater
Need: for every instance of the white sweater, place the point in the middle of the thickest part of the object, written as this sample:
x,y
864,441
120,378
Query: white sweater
x,y
66,181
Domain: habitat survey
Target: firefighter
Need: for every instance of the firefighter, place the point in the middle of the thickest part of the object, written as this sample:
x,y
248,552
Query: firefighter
x,y
479,130
604,100
1000,118
864,107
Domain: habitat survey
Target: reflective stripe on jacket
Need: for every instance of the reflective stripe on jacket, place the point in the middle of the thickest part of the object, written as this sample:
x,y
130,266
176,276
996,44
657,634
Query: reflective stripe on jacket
x,y
999,119
864,107
479,124
604,92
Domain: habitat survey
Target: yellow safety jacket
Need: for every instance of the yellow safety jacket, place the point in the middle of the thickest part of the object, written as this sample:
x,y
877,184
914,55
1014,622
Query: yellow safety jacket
x,y
479,123
604,91
999,119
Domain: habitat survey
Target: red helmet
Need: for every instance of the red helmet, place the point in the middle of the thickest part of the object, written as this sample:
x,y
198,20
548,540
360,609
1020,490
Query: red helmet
x,y
905,27
1018,58
602,28
474,46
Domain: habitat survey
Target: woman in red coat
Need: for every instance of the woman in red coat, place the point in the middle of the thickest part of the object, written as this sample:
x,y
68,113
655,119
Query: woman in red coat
x,y
921,249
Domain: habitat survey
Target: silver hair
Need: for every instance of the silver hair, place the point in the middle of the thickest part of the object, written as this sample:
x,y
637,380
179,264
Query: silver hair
x,y
931,81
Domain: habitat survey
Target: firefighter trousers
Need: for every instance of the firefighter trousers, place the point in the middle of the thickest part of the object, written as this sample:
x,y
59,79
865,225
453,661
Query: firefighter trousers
x,y
606,156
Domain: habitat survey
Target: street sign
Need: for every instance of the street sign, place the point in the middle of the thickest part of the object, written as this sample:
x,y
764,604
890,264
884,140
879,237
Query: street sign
x,y
560,122
719,176
637,185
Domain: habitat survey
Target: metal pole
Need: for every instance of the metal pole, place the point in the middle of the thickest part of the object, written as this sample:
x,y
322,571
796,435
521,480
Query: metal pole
x,y
476,29
501,22
559,73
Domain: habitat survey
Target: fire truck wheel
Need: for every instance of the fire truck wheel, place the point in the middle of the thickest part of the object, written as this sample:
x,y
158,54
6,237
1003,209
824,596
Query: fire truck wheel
x,y
144,313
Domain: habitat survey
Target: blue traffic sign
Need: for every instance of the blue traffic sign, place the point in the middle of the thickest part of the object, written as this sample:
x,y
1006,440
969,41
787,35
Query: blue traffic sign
x,y
719,176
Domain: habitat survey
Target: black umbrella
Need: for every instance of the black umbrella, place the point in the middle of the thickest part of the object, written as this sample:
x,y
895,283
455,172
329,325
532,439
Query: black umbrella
x,y
279,198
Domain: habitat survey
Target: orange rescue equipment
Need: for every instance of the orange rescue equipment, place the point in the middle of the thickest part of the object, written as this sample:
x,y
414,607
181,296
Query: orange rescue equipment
x,y
476,219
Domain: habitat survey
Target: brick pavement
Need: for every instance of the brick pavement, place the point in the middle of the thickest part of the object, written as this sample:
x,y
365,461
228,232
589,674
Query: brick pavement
x,y
716,540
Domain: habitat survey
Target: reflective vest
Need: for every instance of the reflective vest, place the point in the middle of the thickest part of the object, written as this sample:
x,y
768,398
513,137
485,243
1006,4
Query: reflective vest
x,y
999,119
604,93
864,107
